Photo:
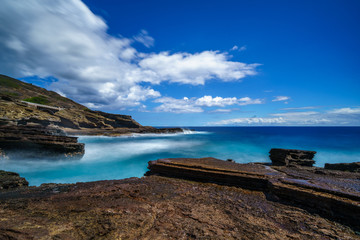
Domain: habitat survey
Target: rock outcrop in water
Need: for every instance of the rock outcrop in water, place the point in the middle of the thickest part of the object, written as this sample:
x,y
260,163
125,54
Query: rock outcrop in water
x,y
11,180
19,142
291,157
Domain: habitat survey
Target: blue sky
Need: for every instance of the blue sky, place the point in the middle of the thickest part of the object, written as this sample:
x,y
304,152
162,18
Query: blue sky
x,y
192,63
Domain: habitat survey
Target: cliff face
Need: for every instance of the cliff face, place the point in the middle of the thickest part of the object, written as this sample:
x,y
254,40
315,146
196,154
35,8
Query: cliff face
x,y
19,142
24,104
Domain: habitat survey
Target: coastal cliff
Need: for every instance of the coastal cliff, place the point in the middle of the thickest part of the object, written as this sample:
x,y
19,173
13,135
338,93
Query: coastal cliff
x,y
25,104
37,142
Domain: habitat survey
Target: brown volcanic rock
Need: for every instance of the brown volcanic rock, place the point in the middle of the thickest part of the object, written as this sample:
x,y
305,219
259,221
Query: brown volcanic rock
x,y
251,176
351,167
9,180
291,157
332,195
156,207
38,142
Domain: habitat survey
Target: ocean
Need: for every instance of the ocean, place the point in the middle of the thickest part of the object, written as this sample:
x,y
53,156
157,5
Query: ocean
x,y
127,156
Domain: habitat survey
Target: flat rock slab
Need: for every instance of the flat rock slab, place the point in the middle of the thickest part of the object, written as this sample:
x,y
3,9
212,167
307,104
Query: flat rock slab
x,y
351,167
156,207
251,176
331,193
340,183
19,142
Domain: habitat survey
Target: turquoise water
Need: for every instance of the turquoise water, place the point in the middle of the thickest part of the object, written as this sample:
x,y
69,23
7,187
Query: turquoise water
x,y
123,157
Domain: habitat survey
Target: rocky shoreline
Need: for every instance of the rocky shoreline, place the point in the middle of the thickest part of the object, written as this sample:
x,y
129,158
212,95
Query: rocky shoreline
x,y
332,194
186,198
44,123
22,142
202,198
52,142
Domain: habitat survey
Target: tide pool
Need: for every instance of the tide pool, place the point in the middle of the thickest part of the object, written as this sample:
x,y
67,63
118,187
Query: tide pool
x,y
127,156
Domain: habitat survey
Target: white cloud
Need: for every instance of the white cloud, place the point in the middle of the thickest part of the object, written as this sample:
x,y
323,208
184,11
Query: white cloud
x,y
247,101
209,101
249,121
194,69
295,114
222,110
284,121
299,108
144,38
177,105
235,47
243,48
280,98
303,118
136,95
65,40
335,117
195,104
346,111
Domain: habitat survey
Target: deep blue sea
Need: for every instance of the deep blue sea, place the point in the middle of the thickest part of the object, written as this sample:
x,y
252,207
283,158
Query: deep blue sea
x,y
127,156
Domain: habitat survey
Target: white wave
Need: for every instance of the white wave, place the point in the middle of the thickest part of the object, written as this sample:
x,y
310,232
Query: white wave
x,y
110,151
133,135
35,165
186,131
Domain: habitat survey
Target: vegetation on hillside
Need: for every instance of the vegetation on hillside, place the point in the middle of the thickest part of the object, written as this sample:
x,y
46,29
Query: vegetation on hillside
x,y
6,81
72,115
23,91
38,99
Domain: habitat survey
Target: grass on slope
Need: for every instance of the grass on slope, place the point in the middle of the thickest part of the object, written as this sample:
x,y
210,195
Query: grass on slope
x,y
38,99
8,82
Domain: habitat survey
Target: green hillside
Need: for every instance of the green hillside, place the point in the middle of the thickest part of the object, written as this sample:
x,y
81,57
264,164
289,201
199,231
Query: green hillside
x,y
22,91
23,103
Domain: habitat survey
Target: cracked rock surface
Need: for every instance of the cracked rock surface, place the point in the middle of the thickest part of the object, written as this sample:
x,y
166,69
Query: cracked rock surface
x,y
156,207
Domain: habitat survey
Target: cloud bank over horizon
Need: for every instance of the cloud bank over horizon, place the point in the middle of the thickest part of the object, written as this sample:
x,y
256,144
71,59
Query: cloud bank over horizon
x,y
333,117
65,40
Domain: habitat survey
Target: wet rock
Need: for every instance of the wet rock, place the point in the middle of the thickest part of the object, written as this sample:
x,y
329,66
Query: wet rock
x,y
2,155
10,180
351,167
291,157
18,142
168,130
